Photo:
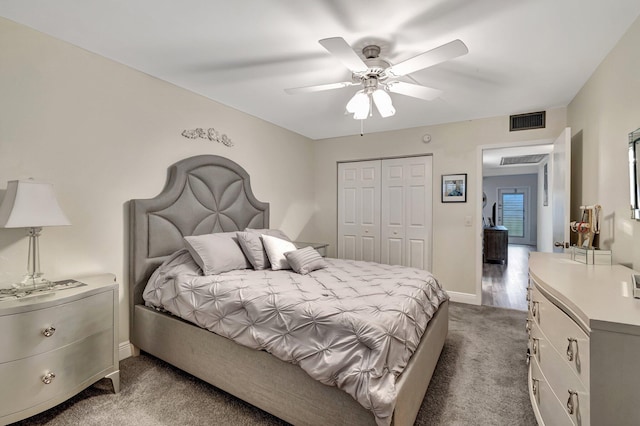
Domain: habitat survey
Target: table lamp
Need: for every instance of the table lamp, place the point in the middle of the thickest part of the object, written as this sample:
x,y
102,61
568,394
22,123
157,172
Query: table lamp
x,y
32,205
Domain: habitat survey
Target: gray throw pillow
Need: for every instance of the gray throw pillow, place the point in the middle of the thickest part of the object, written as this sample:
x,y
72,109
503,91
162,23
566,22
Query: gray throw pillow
x,y
252,247
217,253
271,232
305,260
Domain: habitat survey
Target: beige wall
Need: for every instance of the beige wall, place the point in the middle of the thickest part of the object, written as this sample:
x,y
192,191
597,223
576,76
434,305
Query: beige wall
x,y
455,150
103,133
601,116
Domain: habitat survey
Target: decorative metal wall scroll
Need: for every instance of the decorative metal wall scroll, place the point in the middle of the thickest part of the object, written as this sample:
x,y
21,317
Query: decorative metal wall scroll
x,y
212,134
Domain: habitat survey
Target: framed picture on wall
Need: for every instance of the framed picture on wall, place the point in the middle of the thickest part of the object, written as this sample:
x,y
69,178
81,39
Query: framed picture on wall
x,y
454,188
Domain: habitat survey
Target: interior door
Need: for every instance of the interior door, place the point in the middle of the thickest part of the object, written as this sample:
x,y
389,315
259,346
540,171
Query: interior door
x,y
359,210
561,190
406,212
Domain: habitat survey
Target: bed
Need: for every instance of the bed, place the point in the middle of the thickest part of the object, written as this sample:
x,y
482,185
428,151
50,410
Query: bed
x,y
212,194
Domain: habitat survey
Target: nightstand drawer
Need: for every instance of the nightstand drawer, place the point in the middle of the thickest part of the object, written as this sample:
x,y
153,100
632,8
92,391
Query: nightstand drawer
x,y
74,366
24,334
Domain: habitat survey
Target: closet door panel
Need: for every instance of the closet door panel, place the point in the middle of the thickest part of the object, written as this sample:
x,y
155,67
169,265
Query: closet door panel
x,y
393,211
359,210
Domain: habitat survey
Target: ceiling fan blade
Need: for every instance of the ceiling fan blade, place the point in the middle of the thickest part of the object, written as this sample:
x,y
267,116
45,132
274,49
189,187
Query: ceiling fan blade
x,y
413,90
319,87
339,48
430,58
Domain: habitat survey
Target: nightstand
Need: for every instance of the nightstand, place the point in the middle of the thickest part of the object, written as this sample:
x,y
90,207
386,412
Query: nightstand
x,y
55,344
320,247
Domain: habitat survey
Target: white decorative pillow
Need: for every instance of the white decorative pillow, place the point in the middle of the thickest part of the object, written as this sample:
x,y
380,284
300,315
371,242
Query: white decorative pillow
x,y
305,260
276,248
251,244
216,253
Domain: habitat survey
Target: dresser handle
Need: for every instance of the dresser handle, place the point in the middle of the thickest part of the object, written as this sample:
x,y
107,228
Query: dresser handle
x,y
527,326
48,378
534,386
535,345
48,332
534,308
570,405
570,353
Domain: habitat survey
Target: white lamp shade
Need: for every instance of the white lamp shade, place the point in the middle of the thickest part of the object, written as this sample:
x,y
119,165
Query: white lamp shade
x,y
383,103
30,204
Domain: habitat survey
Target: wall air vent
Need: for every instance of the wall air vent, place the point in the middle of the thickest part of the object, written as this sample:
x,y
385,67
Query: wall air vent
x,y
522,159
531,120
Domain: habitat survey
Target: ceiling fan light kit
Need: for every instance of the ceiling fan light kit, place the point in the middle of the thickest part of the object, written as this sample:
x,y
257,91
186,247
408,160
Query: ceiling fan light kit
x,y
378,77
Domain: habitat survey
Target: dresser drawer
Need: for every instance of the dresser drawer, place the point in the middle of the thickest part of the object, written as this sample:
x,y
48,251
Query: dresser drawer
x,y
545,403
73,365
560,377
23,334
568,339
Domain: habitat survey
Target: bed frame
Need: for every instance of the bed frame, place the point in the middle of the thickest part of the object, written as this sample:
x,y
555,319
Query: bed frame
x,y
206,194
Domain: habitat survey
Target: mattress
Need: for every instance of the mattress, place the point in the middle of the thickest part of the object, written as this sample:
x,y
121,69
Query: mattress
x,y
353,324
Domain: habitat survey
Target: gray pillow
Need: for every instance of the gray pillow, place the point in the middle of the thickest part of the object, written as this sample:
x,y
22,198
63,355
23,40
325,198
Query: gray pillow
x,y
217,253
271,232
252,247
305,260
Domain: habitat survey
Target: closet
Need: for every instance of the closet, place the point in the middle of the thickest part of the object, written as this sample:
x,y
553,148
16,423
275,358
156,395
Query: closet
x,y
385,211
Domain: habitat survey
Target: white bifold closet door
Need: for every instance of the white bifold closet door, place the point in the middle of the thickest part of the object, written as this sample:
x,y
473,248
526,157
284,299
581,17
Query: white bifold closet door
x,y
384,211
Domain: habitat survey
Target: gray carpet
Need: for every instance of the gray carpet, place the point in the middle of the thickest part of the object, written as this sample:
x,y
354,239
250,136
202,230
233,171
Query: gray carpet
x,y
480,380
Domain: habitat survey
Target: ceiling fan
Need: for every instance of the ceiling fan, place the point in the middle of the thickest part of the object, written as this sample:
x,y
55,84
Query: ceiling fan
x,y
378,77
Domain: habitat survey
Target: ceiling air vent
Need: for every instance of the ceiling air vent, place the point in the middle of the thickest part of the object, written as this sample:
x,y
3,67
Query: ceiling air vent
x,y
522,159
531,120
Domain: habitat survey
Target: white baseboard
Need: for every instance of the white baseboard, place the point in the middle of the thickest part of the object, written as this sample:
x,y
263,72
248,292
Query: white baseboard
x,y
125,350
468,298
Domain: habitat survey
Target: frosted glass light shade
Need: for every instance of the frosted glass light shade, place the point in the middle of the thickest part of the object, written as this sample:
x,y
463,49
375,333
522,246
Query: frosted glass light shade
x,y
383,103
30,204
359,105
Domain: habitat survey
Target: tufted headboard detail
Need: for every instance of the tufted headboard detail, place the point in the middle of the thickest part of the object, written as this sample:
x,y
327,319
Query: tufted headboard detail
x,y
203,194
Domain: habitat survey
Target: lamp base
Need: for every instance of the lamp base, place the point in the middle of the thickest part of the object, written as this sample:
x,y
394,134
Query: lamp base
x,y
33,282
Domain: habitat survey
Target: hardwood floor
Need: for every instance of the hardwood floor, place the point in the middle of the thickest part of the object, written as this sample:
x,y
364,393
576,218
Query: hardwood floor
x,y
505,286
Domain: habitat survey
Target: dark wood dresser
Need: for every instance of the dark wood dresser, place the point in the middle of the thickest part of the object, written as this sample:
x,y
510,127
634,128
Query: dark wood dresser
x,y
496,245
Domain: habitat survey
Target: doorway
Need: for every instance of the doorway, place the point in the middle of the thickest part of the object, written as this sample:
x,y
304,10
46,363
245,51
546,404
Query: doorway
x,y
514,195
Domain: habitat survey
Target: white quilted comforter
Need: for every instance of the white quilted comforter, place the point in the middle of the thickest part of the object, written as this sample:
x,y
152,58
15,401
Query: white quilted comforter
x,y
353,325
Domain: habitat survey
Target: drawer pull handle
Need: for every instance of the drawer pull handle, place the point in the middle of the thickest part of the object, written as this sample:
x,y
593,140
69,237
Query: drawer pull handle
x,y
527,326
535,345
48,332
534,309
534,386
570,352
48,378
571,407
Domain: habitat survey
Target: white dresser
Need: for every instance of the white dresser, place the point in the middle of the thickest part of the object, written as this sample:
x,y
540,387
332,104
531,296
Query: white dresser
x,y
584,343
55,344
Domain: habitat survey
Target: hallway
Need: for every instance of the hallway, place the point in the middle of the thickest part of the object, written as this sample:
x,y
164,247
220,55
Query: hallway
x,y
505,286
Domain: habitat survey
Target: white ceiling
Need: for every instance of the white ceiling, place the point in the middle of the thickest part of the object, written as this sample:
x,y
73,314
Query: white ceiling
x,y
524,55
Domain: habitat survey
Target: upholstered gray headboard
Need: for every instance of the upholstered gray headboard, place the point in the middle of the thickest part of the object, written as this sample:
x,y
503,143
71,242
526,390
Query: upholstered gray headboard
x,y
203,194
